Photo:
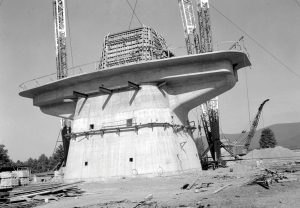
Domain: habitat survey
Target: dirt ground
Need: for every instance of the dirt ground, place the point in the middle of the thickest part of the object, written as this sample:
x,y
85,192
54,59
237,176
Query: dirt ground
x,y
166,191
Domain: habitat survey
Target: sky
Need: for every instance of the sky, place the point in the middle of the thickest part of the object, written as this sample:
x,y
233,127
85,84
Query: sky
x,y
27,51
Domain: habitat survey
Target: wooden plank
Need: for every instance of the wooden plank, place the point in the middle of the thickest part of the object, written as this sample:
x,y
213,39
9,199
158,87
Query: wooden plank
x,y
220,189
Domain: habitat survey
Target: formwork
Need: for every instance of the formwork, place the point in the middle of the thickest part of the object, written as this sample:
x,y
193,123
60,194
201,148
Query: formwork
x,y
132,46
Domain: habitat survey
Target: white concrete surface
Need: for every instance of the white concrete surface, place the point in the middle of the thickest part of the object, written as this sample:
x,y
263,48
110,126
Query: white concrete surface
x,y
190,81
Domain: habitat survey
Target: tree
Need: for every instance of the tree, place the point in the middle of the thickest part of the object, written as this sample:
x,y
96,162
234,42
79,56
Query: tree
x,y
57,157
19,163
267,139
4,158
43,163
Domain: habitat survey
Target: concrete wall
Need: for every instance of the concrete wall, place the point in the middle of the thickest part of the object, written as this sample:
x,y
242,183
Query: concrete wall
x,y
190,81
154,151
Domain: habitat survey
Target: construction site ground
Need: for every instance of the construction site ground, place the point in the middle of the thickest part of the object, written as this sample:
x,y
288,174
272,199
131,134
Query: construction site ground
x,y
166,191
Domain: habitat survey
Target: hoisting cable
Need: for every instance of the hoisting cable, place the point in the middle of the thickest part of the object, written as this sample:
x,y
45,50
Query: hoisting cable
x,y
258,44
132,13
246,78
247,94
297,2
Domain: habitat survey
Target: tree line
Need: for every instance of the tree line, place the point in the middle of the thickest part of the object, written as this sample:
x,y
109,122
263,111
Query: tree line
x,y
39,165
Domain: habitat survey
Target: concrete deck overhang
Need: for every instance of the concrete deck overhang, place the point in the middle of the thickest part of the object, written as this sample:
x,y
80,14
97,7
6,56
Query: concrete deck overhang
x,y
215,72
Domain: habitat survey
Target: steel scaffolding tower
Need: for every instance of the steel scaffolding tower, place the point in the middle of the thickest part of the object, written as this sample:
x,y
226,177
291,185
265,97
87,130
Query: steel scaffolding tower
x,y
132,46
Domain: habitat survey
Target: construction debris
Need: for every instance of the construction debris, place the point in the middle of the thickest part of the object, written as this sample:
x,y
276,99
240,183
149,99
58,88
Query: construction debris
x,y
28,196
267,178
199,187
223,177
147,202
290,167
220,189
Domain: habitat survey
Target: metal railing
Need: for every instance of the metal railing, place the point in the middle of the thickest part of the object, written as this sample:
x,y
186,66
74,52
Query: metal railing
x,y
93,66
46,79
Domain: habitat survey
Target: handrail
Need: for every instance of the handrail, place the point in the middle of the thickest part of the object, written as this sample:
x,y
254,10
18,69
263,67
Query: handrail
x,y
87,67
72,71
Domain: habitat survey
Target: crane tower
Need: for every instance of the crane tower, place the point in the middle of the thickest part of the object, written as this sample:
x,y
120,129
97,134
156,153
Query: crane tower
x,y
189,25
205,33
60,38
59,15
201,42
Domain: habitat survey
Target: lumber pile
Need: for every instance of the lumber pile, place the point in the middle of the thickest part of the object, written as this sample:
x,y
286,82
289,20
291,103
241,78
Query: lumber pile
x,y
27,196
14,178
8,179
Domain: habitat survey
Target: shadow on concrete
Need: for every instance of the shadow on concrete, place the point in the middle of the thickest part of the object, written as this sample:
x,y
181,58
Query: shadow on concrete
x,y
106,101
162,91
133,96
82,104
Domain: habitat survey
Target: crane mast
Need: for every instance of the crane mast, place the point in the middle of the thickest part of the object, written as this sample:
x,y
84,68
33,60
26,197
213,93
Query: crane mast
x,y
201,42
60,38
59,14
189,25
205,41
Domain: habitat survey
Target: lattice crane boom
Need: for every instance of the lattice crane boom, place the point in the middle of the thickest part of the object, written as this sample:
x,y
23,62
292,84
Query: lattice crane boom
x,y
254,125
60,38
189,24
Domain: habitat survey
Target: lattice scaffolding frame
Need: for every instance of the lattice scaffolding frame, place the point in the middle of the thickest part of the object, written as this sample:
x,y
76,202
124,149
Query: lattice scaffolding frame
x,y
60,38
132,46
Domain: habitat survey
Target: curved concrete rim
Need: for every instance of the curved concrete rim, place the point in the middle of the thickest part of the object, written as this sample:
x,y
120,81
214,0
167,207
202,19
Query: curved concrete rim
x,y
238,60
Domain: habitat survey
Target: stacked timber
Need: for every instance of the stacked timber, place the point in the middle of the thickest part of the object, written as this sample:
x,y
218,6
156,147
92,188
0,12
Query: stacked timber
x,y
8,179
23,176
35,194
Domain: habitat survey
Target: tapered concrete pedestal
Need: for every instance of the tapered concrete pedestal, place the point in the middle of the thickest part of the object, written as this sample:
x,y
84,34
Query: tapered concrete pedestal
x,y
128,131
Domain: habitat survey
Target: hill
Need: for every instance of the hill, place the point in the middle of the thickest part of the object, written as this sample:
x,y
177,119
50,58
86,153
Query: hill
x,y
286,134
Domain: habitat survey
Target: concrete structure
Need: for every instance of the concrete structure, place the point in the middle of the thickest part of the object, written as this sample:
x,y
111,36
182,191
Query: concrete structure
x,y
126,129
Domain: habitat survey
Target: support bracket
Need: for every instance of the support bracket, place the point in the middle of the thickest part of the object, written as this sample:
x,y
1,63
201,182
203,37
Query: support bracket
x,y
161,84
133,85
80,94
105,90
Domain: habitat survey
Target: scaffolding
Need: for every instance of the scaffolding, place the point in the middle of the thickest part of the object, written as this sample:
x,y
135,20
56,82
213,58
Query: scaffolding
x,y
132,46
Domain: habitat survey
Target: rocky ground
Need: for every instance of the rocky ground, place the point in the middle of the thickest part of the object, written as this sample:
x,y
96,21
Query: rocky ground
x,y
226,188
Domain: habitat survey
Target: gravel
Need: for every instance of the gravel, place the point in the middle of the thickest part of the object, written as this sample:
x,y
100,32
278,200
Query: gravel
x,y
276,152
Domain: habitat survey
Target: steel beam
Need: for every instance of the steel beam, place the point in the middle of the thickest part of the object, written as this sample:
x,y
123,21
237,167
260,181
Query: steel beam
x,y
80,94
160,85
105,90
133,85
